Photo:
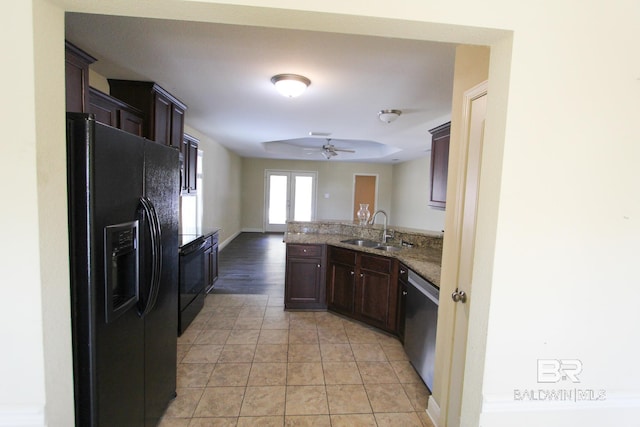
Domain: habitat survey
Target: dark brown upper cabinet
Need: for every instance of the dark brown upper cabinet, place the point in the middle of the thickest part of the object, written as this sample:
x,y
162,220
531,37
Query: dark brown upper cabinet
x,y
76,72
163,113
189,150
439,165
113,112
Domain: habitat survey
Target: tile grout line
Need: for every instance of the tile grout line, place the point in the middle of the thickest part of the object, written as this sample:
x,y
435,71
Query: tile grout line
x,y
317,328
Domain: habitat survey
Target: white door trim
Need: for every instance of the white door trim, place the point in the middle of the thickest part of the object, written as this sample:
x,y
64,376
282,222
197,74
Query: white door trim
x,y
372,209
291,174
446,320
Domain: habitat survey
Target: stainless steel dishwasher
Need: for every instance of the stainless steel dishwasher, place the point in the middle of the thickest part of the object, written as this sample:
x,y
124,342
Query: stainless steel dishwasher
x,y
421,323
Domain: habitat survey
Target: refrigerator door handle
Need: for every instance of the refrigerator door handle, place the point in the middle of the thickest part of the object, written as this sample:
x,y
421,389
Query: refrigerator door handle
x,y
156,254
157,258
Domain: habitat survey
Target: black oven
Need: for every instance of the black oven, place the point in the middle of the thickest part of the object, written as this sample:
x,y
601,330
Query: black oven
x,y
192,281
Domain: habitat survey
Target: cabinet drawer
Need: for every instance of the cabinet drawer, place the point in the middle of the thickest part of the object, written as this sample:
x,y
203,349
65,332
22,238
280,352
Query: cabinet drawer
x,y
376,263
304,250
343,256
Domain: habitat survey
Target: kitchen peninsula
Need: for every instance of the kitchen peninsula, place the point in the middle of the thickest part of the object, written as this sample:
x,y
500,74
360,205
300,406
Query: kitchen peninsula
x,y
424,257
340,266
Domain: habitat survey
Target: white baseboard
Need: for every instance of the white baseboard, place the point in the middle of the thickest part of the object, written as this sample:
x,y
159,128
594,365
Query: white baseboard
x,y
228,240
433,411
612,409
22,416
252,230
507,403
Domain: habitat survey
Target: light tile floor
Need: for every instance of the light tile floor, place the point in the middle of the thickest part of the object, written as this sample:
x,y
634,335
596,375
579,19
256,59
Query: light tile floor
x,y
244,361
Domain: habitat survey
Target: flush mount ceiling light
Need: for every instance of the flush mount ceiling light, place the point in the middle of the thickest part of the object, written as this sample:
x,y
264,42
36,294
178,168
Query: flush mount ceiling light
x,y
388,116
290,85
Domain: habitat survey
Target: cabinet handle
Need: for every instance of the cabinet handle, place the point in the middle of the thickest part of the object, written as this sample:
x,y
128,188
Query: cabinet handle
x,y
404,293
403,271
318,265
352,273
361,274
304,250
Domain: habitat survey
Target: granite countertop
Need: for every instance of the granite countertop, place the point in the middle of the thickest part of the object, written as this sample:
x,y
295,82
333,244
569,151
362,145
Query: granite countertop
x,y
187,238
423,260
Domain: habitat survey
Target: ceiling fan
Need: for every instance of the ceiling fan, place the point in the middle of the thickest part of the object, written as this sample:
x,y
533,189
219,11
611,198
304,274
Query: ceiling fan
x,y
329,150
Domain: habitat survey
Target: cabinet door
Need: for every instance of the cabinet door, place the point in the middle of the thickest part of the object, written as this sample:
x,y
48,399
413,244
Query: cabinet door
x,y
304,286
177,126
189,150
373,290
376,292
207,268
303,283
341,287
192,166
130,122
103,107
162,120
77,78
214,264
104,113
210,267
439,166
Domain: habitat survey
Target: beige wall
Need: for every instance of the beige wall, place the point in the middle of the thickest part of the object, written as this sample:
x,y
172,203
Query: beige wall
x,y
222,186
97,80
550,264
20,223
334,178
410,197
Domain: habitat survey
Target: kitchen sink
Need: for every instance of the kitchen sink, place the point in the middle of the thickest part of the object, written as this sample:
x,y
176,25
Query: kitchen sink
x,y
387,248
361,242
371,244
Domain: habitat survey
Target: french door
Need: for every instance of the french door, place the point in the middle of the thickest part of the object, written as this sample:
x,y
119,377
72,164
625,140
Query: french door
x,y
289,195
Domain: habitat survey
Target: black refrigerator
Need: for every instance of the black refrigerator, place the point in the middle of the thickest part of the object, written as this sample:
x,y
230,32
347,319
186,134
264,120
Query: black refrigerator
x,y
123,194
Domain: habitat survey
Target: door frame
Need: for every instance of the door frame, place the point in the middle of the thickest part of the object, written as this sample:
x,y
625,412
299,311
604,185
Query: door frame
x,y
291,201
439,411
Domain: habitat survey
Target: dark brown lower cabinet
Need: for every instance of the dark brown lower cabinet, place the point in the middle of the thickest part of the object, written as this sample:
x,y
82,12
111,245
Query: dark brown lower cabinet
x,y
304,286
211,262
364,287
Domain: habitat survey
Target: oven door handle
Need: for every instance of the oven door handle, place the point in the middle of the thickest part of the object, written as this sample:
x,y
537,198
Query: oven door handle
x,y
194,247
156,254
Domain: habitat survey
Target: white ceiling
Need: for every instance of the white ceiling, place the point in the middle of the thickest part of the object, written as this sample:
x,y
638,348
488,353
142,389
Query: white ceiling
x,y
222,73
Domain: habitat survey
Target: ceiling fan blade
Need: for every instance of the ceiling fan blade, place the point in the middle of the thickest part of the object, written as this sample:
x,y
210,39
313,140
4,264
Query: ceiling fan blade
x,y
344,150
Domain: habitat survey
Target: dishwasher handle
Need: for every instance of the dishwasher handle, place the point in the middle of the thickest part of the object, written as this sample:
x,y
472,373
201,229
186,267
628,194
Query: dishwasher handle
x,y
425,287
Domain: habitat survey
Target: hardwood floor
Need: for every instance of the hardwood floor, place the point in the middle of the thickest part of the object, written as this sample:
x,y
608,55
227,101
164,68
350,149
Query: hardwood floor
x,y
252,263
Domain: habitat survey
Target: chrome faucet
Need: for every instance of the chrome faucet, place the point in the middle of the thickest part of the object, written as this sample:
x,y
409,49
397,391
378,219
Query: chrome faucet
x,y
384,231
